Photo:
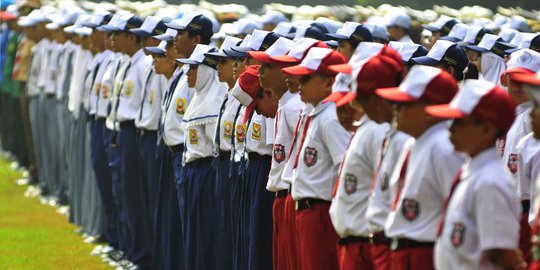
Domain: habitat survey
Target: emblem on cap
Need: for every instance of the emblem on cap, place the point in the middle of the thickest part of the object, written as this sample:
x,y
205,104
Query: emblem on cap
x,y
310,156
525,58
410,208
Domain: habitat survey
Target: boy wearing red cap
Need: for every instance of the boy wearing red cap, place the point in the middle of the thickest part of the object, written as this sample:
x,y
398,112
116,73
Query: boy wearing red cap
x,y
349,206
425,169
321,148
470,235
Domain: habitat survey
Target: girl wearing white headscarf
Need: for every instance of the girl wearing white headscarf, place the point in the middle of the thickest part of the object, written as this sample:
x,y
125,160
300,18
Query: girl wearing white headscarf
x,y
491,67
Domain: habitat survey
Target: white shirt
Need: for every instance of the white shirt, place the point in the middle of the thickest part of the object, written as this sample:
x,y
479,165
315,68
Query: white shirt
x,y
173,131
348,209
431,167
380,199
130,94
89,81
227,124
520,128
405,39
240,135
483,214
103,83
111,122
289,109
94,93
287,174
528,150
65,69
36,67
260,135
77,81
45,54
151,97
321,153
52,67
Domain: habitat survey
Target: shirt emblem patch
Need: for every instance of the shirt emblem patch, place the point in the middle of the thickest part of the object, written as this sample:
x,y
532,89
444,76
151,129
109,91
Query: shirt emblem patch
x,y
458,233
180,106
256,134
310,156
151,96
410,208
193,138
240,133
128,89
512,163
350,183
279,153
227,129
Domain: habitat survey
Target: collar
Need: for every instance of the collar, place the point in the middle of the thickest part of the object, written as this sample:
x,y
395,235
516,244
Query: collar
x,y
479,161
286,97
321,107
138,55
523,107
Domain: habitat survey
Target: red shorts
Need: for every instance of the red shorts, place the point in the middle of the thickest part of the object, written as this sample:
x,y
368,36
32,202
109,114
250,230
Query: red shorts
x,y
525,237
291,238
381,254
413,259
354,256
278,235
316,238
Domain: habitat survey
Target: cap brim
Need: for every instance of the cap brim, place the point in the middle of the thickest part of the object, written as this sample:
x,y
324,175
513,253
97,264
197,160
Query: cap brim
x,y
243,49
444,111
298,70
431,28
217,54
154,50
139,32
187,61
175,26
341,68
425,60
393,94
336,37
449,38
513,72
284,59
164,37
7,16
346,99
106,28
234,54
260,56
511,51
526,79
335,97
476,48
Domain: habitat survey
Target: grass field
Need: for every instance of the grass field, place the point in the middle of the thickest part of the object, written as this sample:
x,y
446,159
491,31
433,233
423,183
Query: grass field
x,y
33,236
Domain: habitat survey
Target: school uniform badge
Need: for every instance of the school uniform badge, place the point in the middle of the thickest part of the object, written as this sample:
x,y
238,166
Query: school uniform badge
x,y
151,96
279,153
105,91
240,133
128,89
410,208
180,106
512,163
350,183
193,138
256,133
227,129
458,233
310,156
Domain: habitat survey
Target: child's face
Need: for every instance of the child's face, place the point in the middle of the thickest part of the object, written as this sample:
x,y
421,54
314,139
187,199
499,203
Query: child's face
x,y
411,117
162,64
376,108
267,105
184,44
192,75
535,121
516,91
149,42
346,49
271,76
463,134
238,67
347,115
315,87
225,70
293,83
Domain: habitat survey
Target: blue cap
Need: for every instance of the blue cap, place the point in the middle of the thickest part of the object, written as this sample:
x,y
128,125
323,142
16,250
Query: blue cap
x,y
491,43
260,41
352,32
447,53
195,23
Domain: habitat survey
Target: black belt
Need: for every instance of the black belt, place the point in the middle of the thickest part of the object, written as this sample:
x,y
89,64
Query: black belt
x,y
308,203
100,119
224,155
176,148
526,206
199,162
282,193
143,131
50,95
403,243
257,156
352,240
379,239
126,124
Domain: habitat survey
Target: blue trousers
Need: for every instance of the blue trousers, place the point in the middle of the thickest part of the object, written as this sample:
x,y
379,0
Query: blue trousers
x,y
223,191
148,160
167,252
133,203
197,208
104,179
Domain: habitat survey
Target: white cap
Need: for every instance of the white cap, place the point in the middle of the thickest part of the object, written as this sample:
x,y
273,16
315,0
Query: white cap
x,y
283,29
377,31
488,41
508,34
459,31
228,43
518,23
244,27
197,57
273,17
149,24
405,50
418,79
398,19
524,58
365,50
472,32
470,94
281,47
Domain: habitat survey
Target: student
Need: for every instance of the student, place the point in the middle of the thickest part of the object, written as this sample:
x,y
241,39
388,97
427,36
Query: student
x,y
322,144
196,187
439,28
521,62
350,203
481,194
349,36
398,25
448,56
425,171
491,62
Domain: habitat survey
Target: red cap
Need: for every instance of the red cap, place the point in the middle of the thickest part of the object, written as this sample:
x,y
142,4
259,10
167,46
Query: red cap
x,y
482,100
532,79
423,83
298,52
317,60
248,88
385,50
6,16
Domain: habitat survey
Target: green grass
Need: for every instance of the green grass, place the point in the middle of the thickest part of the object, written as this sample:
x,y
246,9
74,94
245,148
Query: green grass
x,y
34,236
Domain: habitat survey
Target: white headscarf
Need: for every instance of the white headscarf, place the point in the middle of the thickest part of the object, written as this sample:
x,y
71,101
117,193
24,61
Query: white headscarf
x,y
492,67
209,94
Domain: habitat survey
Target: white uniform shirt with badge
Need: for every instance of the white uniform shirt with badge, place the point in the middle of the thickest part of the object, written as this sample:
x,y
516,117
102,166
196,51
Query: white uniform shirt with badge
x,y
36,67
289,109
380,199
88,82
349,205
111,122
520,128
80,71
94,93
150,109
482,214
65,69
130,94
431,168
227,125
260,135
55,50
240,129
287,174
103,83
173,130
528,150
45,54
322,151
